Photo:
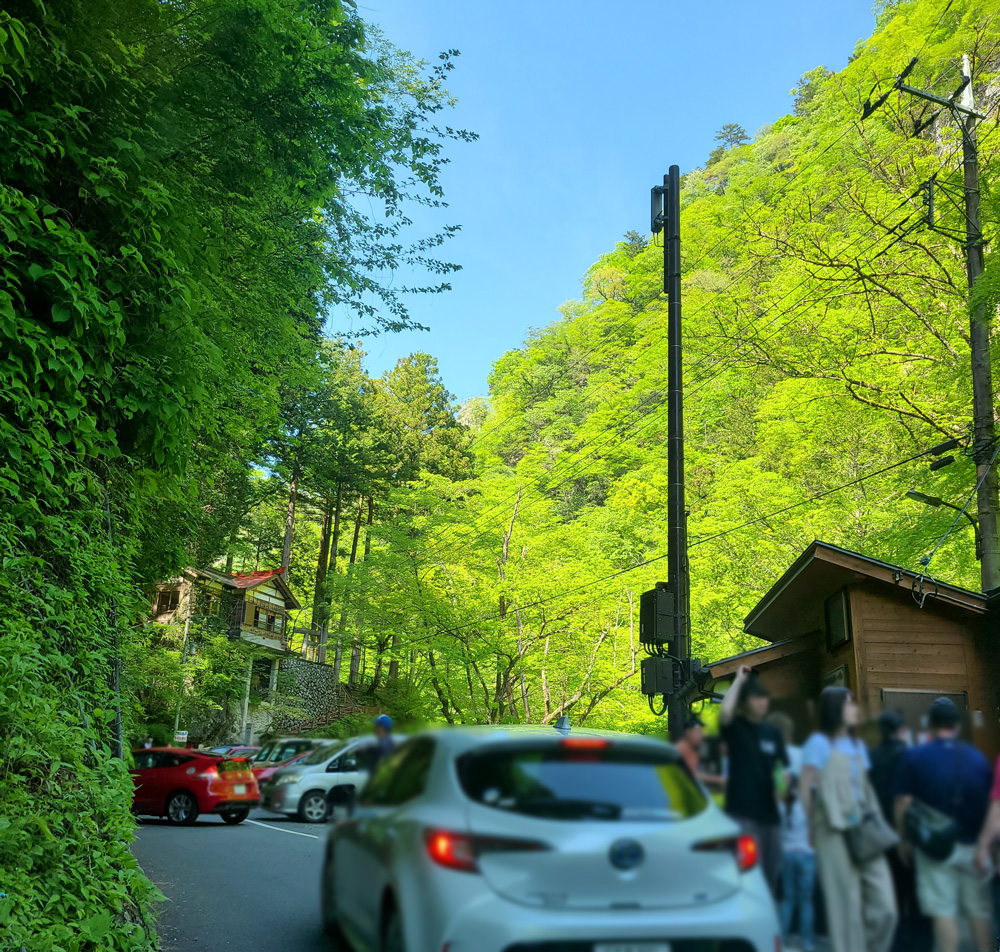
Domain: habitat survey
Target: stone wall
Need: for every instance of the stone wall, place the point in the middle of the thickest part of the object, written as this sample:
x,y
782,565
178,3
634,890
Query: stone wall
x,y
310,696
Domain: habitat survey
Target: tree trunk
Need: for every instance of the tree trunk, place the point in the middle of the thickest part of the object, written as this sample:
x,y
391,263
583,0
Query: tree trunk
x,y
546,694
293,493
394,660
332,567
322,564
356,646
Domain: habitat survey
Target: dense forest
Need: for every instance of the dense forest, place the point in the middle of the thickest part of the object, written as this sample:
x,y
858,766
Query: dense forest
x,y
181,195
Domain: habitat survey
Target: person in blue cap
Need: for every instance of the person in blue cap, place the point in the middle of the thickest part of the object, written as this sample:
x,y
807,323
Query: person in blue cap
x,y
386,743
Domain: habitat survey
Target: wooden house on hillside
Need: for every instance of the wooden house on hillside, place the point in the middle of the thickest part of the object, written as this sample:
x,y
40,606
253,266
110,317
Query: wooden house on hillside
x,y
254,608
896,639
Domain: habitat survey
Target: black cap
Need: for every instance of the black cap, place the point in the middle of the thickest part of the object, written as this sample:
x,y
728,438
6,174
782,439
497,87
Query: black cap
x,y
753,687
890,722
944,712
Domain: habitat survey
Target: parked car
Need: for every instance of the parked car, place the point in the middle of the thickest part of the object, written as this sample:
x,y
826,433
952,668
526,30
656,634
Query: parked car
x,y
311,788
265,773
282,749
183,784
523,838
234,750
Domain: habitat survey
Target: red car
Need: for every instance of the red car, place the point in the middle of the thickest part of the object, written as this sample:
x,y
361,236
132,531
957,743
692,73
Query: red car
x,y
181,784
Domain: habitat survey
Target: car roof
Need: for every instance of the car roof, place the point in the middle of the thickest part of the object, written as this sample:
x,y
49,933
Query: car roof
x,y
190,752
469,738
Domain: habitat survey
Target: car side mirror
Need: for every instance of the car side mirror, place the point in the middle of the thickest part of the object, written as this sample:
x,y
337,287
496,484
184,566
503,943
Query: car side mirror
x,y
349,764
333,766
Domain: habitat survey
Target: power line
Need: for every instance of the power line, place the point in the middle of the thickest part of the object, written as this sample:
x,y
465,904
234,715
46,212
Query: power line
x,y
809,500
649,418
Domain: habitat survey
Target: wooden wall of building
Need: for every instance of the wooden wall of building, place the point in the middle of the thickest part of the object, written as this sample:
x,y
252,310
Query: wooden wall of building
x,y
900,646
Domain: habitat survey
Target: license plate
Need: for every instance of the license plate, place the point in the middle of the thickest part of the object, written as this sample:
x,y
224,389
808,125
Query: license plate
x,y
240,790
632,947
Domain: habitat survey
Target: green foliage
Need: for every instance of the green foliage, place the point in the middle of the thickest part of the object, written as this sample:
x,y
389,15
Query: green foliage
x,y
181,203
826,343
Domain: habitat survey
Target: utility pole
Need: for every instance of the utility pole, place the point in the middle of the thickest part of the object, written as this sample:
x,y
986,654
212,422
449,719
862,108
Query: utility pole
x,y
962,105
987,502
664,617
677,567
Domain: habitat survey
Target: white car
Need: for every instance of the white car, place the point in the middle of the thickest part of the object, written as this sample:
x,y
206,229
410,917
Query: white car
x,y
533,839
327,778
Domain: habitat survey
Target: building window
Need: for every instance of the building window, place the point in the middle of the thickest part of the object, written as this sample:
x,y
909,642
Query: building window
x,y
167,602
256,618
838,619
270,622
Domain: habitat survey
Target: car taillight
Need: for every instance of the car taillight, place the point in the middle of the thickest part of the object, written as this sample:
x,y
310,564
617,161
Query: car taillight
x,y
461,851
743,848
747,853
209,773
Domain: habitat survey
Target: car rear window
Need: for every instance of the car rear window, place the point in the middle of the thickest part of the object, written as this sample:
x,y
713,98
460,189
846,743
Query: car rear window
x,y
558,782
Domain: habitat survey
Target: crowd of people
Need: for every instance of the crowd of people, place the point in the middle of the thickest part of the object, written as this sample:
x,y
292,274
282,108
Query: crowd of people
x,y
900,839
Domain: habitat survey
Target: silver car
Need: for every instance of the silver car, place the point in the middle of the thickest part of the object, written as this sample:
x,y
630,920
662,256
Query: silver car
x,y
311,788
538,840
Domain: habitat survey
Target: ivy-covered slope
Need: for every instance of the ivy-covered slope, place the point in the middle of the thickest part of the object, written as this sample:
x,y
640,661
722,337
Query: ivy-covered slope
x,y
172,226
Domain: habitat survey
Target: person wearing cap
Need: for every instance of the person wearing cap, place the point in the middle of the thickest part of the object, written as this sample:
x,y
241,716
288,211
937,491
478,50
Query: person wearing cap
x,y
953,778
914,931
756,754
385,743
689,747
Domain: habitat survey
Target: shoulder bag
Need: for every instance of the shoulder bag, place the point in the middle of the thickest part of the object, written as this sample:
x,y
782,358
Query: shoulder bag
x,y
871,836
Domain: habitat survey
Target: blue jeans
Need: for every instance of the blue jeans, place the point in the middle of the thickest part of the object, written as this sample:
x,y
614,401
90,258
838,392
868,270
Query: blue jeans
x,y
798,880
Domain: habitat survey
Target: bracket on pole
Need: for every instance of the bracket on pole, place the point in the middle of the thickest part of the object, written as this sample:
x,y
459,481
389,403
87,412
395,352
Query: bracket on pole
x,y
657,216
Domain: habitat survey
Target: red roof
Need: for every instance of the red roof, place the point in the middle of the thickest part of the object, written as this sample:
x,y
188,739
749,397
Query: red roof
x,y
255,578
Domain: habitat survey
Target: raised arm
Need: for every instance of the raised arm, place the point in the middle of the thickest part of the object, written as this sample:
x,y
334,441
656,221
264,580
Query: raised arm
x,y
728,709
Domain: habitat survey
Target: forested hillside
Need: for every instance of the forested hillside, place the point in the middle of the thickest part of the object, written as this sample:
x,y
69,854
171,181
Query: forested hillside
x,y
827,343
180,194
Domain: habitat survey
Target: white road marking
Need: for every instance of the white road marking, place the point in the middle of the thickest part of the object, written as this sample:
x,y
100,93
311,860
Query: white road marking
x,y
281,829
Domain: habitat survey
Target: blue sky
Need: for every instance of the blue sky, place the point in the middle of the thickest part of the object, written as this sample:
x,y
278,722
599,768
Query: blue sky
x,y
580,107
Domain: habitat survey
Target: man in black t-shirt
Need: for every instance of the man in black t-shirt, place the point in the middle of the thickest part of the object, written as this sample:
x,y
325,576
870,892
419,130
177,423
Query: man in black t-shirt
x,y
756,755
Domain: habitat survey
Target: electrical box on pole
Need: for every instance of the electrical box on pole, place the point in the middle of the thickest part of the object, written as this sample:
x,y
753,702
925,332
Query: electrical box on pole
x,y
656,616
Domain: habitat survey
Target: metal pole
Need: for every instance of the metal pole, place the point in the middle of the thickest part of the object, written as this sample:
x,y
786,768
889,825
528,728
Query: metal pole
x,y
676,514
245,707
184,653
987,501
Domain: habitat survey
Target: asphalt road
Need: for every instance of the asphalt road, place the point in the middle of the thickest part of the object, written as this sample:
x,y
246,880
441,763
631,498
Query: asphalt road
x,y
252,887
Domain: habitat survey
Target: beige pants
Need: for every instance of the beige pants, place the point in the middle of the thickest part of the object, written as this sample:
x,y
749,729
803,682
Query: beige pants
x,y
860,901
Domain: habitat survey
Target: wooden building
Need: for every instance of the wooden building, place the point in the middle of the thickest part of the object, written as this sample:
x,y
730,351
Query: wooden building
x,y
254,607
896,639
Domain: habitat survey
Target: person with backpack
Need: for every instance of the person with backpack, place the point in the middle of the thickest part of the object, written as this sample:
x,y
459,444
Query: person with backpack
x,y
849,834
942,794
